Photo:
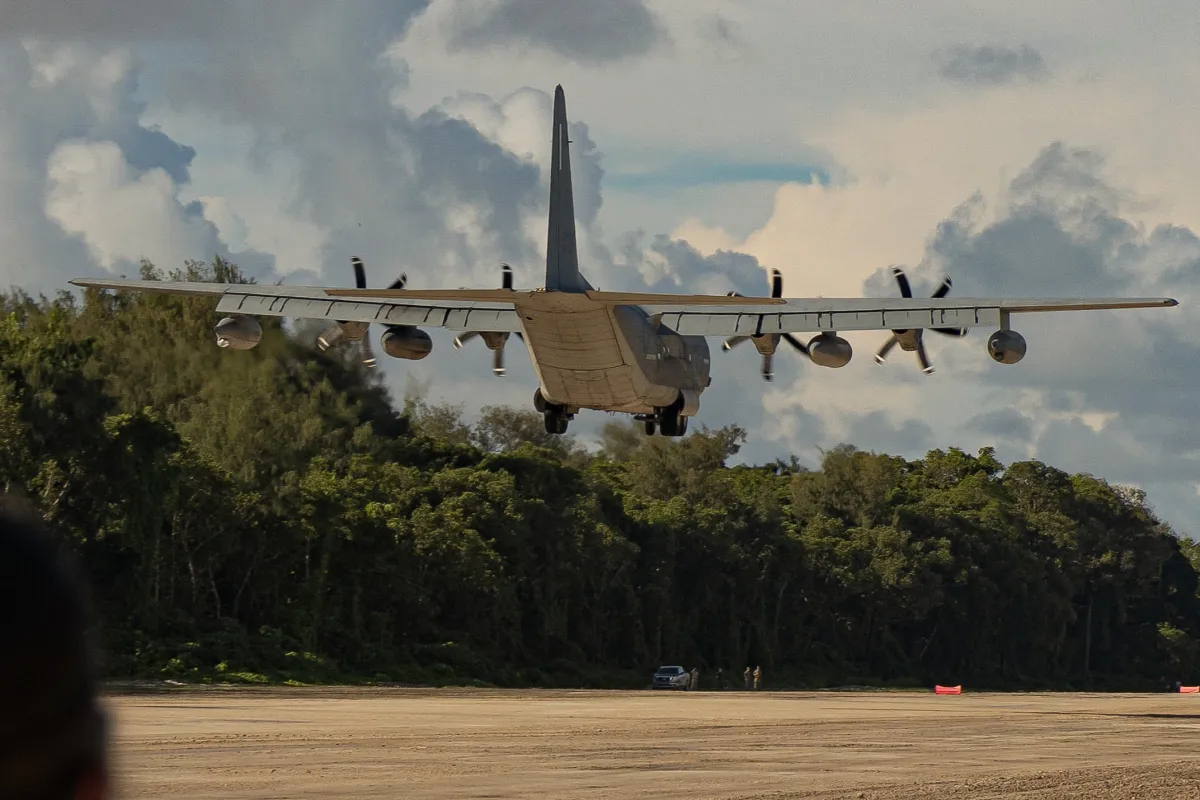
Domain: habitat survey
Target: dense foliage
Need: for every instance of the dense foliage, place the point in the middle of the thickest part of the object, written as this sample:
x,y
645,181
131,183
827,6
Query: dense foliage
x,y
271,514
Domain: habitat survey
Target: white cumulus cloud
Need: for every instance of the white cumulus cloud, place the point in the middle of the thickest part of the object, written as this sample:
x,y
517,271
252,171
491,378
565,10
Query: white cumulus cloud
x,y
94,194
1016,149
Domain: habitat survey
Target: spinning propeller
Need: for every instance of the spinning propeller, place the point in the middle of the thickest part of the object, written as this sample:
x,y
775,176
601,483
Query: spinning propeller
x,y
912,340
495,340
767,343
356,332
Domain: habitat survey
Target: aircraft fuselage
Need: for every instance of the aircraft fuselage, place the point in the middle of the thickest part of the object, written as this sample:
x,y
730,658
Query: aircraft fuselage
x,y
611,358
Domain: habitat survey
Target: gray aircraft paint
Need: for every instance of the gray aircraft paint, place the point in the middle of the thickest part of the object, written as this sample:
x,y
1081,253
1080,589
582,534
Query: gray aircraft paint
x,y
628,352
562,253
612,358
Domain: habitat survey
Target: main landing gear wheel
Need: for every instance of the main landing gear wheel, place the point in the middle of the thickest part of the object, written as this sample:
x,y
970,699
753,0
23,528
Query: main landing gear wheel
x,y
556,417
556,420
665,420
671,424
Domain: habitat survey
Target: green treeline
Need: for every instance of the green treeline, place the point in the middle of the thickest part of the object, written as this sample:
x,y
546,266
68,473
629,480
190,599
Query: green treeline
x,y
272,515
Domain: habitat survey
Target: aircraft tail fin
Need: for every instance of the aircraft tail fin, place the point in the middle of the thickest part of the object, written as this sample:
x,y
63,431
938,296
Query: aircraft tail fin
x,y
562,256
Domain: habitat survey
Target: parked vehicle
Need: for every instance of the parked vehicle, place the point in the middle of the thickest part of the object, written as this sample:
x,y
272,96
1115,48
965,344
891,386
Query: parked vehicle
x,y
672,677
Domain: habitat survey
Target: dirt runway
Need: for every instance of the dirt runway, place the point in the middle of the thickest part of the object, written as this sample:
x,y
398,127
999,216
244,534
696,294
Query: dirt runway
x,y
349,743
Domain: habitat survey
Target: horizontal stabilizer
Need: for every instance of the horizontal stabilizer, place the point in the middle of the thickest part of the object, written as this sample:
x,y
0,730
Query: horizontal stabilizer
x,y
509,296
460,295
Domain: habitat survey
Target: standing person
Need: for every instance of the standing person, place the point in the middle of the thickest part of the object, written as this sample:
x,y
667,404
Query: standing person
x,y
746,678
53,737
720,679
695,682
757,677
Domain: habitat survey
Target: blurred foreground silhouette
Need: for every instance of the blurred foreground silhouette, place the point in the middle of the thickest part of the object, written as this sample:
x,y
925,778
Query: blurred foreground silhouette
x,y
53,738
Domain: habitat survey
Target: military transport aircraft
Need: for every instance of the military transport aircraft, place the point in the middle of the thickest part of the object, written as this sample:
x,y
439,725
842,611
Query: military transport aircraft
x,y
643,354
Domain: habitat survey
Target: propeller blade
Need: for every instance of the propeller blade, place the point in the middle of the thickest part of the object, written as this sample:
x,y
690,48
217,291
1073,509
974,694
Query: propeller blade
x,y
796,343
331,336
400,282
733,341
734,294
924,359
521,336
887,347
767,372
776,283
506,278
906,291
459,341
366,353
360,272
498,361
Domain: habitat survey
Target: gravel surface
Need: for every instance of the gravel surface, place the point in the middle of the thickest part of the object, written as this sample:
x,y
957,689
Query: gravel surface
x,y
458,743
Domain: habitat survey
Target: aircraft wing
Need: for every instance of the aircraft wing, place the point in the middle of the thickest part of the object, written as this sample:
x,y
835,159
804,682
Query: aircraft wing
x,y
786,315
455,310
487,310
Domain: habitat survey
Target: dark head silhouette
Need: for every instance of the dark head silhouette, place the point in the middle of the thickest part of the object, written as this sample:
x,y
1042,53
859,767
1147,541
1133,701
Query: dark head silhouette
x,y
52,727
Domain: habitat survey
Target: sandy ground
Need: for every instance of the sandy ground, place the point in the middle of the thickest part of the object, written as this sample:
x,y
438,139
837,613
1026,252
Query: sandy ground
x,y
343,743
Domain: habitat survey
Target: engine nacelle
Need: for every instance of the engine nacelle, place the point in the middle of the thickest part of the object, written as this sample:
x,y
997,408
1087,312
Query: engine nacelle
x,y
1006,347
412,344
238,333
830,350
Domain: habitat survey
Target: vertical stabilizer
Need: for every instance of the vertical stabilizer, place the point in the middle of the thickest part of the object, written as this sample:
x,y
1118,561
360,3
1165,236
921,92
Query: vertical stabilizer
x,y
562,257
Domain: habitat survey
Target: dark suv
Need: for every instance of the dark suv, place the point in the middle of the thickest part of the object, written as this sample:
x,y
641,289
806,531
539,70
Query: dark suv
x,y
670,678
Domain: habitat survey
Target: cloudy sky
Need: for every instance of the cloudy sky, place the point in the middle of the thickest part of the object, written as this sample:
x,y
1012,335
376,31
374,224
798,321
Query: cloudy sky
x,y
1024,149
